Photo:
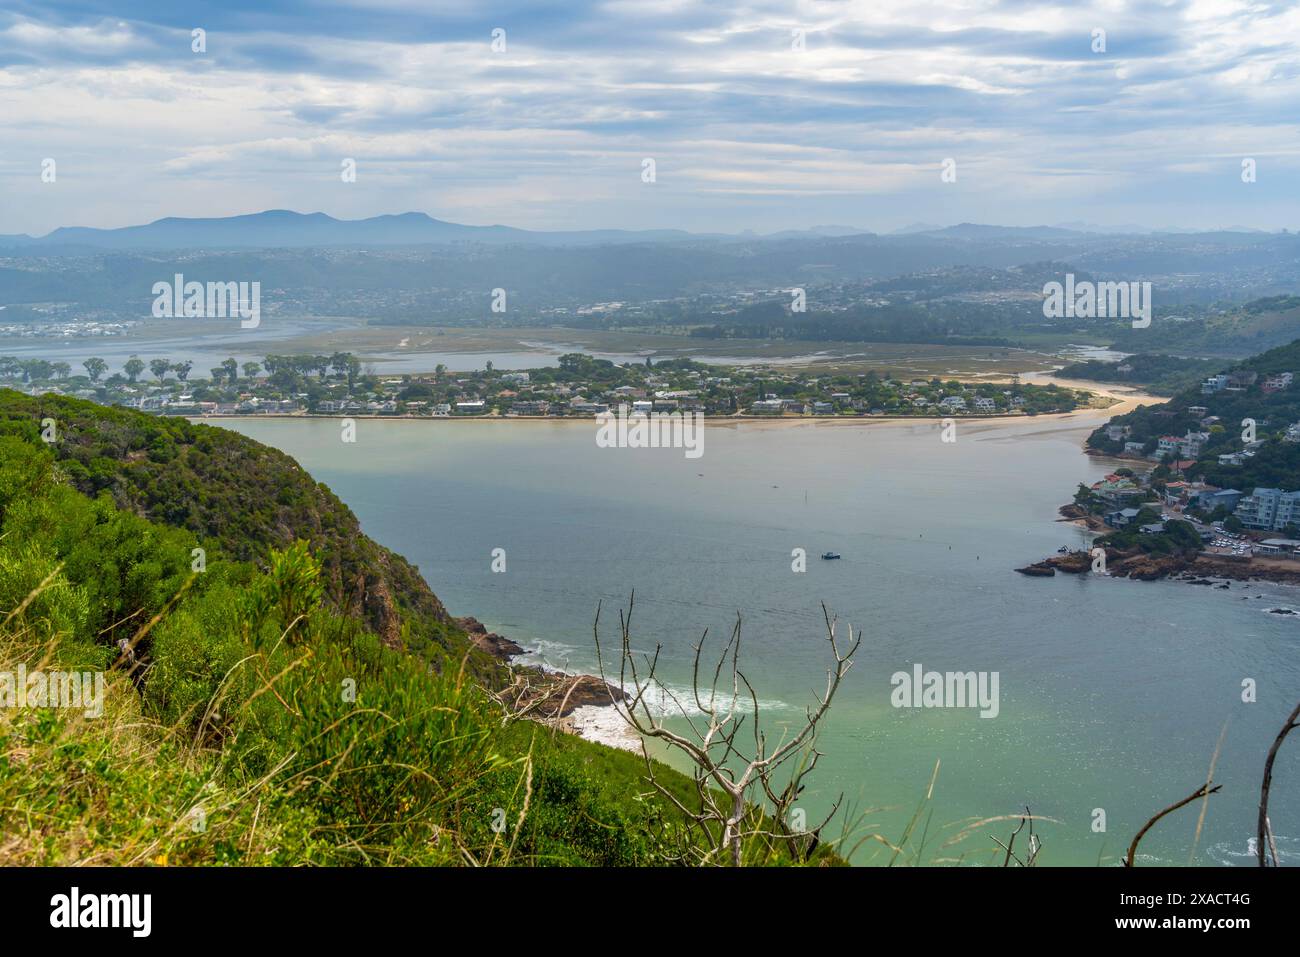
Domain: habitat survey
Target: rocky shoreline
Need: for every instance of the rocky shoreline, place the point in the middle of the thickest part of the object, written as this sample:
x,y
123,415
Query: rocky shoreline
x,y
550,697
1194,567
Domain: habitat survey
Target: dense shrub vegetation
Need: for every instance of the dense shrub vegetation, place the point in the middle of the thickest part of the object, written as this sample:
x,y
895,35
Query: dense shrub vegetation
x,y
252,714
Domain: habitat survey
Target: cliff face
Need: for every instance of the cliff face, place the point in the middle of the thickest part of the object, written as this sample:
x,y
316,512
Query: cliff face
x,y
240,495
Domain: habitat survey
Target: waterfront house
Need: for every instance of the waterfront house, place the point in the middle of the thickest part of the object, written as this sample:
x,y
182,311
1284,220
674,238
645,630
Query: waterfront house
x,y
1192,444
1117,488
537,407
1211,498
1270,509
1121,518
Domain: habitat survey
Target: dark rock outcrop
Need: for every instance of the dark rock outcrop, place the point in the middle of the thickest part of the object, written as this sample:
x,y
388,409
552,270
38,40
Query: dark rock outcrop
x,y
498,646
553,694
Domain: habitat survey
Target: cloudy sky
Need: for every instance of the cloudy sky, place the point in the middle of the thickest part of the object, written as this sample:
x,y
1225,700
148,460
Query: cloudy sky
x,y
746,130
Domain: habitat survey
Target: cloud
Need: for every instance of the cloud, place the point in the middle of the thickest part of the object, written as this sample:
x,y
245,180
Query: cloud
x,y
752,124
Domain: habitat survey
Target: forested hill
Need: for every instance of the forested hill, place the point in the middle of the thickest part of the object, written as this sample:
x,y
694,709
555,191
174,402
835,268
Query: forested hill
x,y
1275,463
249,712
241,498
1155,373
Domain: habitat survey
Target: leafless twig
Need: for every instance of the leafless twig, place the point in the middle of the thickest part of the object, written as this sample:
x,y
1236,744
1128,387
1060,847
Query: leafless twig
x,y
728,771
1203,791
1264,831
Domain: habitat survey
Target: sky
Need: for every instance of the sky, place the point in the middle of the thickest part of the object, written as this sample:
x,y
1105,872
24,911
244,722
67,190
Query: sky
x,y
757,115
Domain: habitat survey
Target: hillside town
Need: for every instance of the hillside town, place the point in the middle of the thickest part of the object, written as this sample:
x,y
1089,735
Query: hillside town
x,y
1228,471
578,386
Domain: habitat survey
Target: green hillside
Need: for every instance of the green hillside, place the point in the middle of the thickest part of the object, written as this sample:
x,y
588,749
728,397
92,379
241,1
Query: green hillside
x,y
1276,463
1157,374
1258,325
240,499
257,710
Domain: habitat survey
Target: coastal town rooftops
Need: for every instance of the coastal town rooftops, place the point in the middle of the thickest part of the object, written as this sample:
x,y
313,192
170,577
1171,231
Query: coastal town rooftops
x,y
1116,483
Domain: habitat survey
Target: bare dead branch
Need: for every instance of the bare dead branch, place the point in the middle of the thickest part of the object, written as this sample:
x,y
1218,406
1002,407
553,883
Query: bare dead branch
x,y
1203,791
1262,830
726,779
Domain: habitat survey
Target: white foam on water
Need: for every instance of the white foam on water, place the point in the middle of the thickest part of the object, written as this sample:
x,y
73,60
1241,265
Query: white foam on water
x,y
668,701
1243,853
661,700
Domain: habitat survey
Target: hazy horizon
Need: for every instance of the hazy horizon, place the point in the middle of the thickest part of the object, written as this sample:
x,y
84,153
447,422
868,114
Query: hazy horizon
x,y
1082,227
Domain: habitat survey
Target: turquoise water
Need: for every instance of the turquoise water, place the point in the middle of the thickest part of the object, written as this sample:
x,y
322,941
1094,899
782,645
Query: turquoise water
x,y
1113,694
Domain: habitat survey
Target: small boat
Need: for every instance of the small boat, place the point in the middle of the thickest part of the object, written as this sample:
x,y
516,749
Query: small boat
x,y
828,556
1063,550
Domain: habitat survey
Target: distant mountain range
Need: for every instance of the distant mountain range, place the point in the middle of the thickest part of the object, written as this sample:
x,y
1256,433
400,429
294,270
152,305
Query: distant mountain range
x,y
281,228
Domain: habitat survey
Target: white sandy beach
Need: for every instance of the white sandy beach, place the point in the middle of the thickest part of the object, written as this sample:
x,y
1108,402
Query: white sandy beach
x,y
605,724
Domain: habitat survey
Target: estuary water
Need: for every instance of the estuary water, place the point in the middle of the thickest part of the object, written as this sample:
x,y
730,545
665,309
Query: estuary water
x,y
1112,694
